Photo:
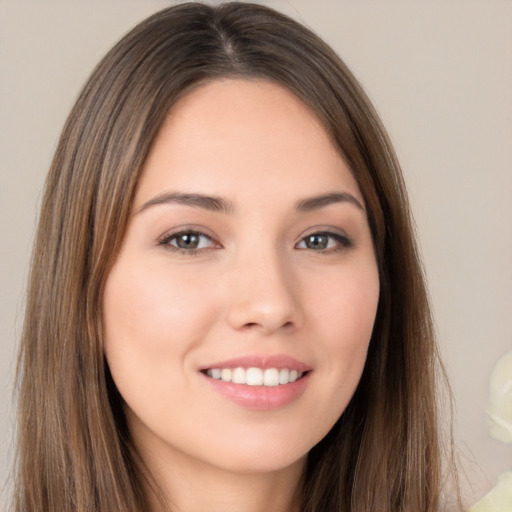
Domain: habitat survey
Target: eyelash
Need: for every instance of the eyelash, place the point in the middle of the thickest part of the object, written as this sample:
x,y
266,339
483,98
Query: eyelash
x,y
342,242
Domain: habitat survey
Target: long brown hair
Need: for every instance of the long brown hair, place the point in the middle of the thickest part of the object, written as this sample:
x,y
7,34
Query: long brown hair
x,y
74,448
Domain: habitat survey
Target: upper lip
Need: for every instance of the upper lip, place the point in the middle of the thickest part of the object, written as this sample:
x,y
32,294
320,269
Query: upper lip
x,y
264,362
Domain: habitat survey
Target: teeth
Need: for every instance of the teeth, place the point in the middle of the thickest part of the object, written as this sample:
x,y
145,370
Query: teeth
x,y
215,373
225,375
270,377
238,376
284,376
254,377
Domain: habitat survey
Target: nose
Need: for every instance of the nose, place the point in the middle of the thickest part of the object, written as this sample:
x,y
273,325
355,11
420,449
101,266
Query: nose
x,y
264,295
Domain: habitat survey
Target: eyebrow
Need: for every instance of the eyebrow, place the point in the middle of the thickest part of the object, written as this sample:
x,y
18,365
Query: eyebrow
x,y
212,203
317,202
221,205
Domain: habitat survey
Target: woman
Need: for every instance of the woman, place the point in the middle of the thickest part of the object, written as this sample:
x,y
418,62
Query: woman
x,y
226,308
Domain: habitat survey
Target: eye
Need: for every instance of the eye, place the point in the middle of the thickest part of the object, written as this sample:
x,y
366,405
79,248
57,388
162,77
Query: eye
x,y
324,241
187,241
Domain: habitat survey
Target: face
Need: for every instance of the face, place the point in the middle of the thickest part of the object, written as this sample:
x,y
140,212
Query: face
x,y
240,308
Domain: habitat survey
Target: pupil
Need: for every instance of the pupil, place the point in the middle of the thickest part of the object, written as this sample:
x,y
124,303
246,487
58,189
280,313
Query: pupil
x,y
317,242
188,241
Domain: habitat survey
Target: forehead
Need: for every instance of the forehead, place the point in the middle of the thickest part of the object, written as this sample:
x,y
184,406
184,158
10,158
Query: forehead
x,y
234,136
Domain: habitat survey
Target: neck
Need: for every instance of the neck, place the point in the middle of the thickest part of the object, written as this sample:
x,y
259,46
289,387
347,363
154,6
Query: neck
x,y
192,486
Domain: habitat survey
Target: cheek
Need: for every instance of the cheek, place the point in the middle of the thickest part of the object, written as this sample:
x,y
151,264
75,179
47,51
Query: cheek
x,y
149,304
346,317
153,318
347,309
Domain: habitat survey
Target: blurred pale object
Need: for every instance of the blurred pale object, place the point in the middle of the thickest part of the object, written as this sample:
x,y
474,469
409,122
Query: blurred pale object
x,y
499,414
499,405
499,499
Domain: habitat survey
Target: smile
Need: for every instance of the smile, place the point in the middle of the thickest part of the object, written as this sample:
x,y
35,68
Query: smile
x,y
259,382
253,376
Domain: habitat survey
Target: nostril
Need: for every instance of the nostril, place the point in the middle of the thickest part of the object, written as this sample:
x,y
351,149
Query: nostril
x,y
265,327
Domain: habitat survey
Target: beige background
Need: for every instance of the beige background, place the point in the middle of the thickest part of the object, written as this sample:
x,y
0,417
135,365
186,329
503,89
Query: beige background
x,y
439,72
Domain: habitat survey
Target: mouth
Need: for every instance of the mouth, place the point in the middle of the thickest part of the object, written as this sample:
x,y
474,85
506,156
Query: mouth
x,y
259,382
254,376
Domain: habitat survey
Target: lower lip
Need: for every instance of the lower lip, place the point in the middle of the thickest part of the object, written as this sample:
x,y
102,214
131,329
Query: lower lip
x,y
260,398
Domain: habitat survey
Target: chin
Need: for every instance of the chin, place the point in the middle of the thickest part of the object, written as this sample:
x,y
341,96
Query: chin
x,y
261,463
264,454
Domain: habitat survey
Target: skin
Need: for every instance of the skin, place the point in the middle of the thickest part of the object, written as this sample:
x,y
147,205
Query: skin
x,y
255,286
